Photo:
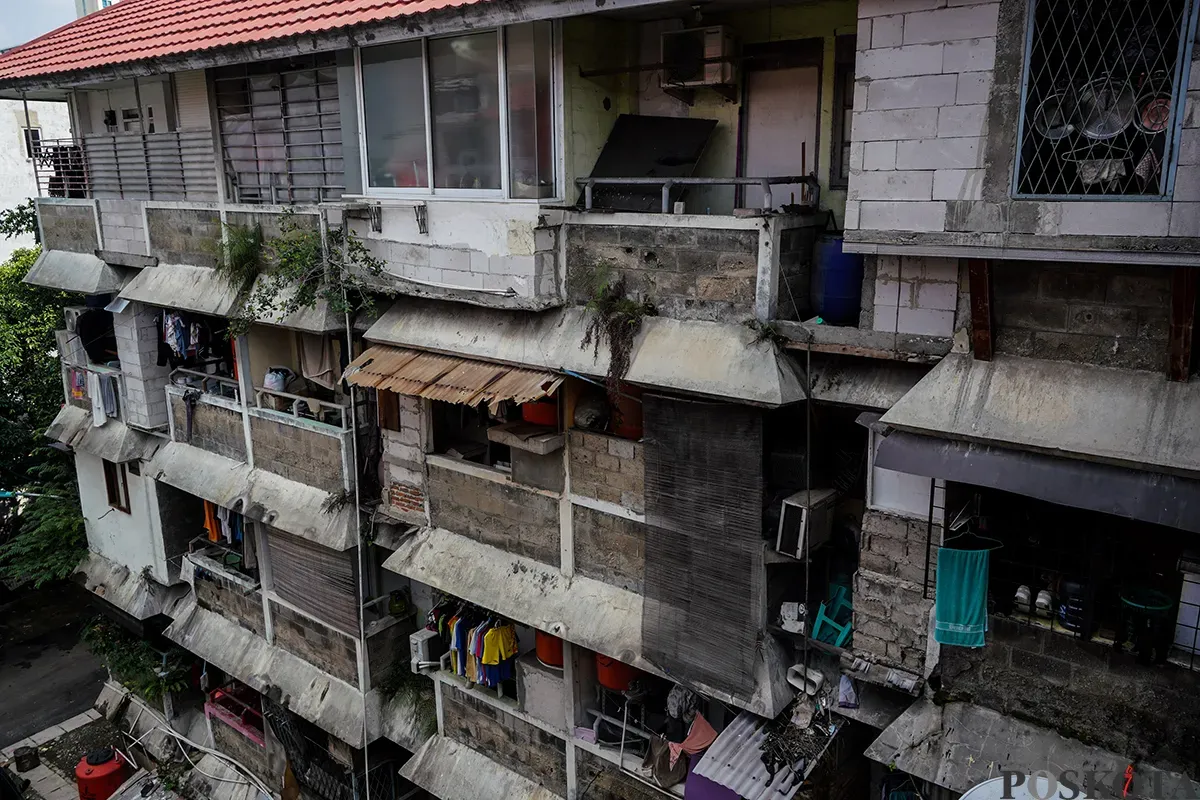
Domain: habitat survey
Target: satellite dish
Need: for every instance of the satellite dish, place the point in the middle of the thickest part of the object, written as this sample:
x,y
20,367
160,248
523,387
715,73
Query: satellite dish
x,y
1039,786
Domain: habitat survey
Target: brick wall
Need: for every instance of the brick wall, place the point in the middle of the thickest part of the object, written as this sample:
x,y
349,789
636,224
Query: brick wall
x,y
1085,690
511,742
137,349
916,295
184,235
329,650
214,428
231,601
404,461
606,782
517,520
609,548
891,615
688,273
68,227
1112,315
122,227
297,453
608,468
234,743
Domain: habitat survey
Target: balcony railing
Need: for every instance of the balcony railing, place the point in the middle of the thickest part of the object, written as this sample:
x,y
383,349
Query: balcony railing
x,y
81,382
302,407
810,194
217,385
174,165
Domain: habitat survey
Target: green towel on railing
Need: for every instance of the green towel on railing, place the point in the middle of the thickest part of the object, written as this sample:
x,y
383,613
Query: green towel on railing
x,y
962,585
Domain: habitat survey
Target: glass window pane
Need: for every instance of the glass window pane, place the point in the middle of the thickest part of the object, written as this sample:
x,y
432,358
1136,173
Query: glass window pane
x,y
394,103
464,88
528,50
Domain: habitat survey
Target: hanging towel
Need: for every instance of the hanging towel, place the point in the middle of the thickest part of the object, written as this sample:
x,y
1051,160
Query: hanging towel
x,y
108,393
211,525
316,360
99,415
961,605
700,737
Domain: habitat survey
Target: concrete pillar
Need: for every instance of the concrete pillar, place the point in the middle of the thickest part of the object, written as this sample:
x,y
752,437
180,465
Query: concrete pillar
x,y
137,349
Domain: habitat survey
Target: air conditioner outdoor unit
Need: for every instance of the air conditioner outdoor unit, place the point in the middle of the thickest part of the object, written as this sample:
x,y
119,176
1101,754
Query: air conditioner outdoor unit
x,y
72,314
690,57
806,521
426,648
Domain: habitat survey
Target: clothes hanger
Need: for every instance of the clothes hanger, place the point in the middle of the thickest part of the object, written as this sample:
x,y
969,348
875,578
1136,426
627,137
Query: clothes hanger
x,y
962,521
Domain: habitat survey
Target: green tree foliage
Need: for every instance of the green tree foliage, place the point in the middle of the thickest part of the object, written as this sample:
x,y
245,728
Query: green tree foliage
x,y
136,663
19,221
50,540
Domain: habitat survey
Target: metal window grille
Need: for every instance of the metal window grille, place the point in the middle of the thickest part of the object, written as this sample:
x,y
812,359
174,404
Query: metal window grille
x,y
281,131
1102,97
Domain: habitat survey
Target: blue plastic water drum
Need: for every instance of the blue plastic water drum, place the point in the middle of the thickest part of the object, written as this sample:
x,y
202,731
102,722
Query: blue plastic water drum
x,y
837,278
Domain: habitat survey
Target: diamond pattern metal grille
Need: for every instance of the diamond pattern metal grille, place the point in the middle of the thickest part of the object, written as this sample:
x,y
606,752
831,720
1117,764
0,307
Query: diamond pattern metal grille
x,y
1102,91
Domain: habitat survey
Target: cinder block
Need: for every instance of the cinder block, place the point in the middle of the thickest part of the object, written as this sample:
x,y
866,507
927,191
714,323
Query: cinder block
x,y
937,296
877,8
925,322
950,24
956,121
1084,218
962,153
887,31
445,258
971,55
1185,219
878,155
902,216
899,62
925,91
891,126
958,184
973,88
1187,184
1189,147
887,291
851,218
857,155
891,186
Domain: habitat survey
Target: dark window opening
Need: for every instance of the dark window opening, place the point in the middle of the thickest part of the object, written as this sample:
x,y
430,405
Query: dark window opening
x,y
228,538
462,432
1102,96
116,485
843,111
33,142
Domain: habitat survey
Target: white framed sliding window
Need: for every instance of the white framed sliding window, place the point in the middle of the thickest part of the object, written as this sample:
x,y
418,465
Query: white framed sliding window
x,y
472,115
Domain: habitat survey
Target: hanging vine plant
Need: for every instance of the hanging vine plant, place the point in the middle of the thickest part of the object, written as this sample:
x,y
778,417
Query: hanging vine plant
x,y
615,319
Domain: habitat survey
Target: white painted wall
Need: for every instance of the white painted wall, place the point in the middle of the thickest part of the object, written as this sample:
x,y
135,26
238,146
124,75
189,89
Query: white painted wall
x,y
133,540
17,182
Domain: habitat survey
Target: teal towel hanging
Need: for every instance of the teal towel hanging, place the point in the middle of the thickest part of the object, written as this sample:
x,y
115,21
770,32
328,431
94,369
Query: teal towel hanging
x,y
960,613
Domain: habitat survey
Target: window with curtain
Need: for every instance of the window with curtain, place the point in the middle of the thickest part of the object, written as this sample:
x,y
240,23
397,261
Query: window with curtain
x,y
446,113
281,130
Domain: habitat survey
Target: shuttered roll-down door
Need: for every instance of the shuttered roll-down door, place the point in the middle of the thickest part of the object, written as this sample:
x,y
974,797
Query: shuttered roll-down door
x,y
315,579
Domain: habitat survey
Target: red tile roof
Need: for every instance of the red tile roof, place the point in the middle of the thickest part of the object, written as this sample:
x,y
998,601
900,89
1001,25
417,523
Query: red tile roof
x,y
139,30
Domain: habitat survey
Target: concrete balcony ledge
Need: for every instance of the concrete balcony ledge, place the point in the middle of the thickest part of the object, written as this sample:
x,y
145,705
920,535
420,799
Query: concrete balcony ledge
x,y
132,592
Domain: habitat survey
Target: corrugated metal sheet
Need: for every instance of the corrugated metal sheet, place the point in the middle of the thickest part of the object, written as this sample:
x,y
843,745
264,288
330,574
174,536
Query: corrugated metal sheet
x,y
448,378
74,272
735,762
142,30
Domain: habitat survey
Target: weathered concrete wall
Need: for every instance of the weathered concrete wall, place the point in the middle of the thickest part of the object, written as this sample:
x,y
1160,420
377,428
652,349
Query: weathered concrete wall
x,y
606,782
180,516
184,235
608,468
609,548
247,752
126,539
687,273
329,650
1112,315
68,227
122,227
891,615
404,462
137,349
297,453
916,295
795,273
385,649
271,222
231,601
214,428
517,520
935,137
1085,690
511,742
17,179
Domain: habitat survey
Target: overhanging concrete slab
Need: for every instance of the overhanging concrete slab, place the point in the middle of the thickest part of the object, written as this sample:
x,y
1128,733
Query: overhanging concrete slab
x,y
113,441
584,611
263,496
703,358
183,287
860,382
1122,417
138,596
74,272
453,771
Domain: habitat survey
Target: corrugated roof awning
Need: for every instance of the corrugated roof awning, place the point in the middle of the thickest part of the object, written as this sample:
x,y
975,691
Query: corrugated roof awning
x,y
452,379
263,496
183,287
74,272
453,771
113,441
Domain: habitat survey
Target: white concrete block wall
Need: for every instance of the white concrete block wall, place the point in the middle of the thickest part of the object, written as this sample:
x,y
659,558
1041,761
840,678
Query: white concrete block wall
x,y
137,349
122,226
916,295
924,73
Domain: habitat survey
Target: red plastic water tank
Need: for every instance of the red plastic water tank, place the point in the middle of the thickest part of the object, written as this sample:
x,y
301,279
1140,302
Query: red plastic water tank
x,y
100,773
613,674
